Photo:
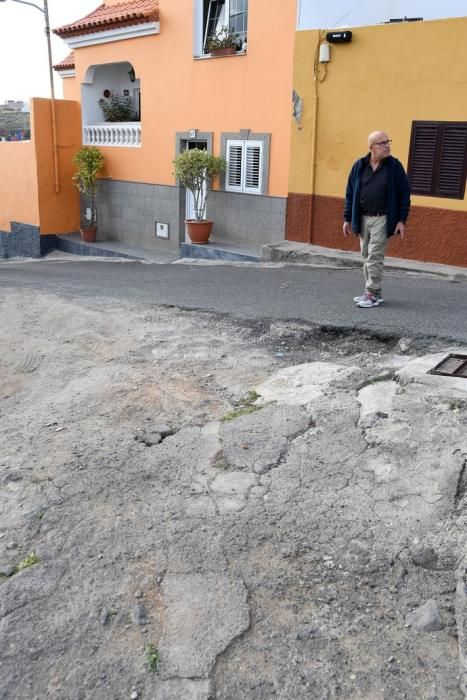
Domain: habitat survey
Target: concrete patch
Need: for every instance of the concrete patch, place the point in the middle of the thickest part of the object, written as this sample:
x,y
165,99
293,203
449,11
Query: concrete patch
x,y
388,432
238,483
256,442
230,504
231,490
376,401
184,689
202,506
300,384
382,469
203,614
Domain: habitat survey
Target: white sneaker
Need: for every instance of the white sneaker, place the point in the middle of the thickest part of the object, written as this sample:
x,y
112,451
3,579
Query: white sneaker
x,y
368,300
361,298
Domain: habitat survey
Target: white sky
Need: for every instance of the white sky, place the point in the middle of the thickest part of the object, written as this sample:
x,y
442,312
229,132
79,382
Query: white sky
x,y
24,64
323,14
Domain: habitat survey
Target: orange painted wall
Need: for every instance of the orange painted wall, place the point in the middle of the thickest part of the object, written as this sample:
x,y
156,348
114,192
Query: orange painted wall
x,y
27,192
58,212
18,190
217,95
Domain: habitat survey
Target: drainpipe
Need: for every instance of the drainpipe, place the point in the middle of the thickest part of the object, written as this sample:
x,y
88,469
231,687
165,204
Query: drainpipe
x,y
314,137
313,150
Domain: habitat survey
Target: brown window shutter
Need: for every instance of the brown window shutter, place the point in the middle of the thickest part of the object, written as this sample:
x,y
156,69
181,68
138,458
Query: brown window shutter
x,y
438,159
452,165
422,157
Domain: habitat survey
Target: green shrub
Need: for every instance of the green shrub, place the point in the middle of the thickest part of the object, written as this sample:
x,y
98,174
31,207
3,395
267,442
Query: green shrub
x,y
193,169
225,38
88,162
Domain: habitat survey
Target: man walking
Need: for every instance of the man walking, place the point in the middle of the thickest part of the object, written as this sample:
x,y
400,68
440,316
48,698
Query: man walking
x,y
377,203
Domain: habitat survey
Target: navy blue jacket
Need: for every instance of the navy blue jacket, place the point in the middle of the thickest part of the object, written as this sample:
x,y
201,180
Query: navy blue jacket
x,y
398,194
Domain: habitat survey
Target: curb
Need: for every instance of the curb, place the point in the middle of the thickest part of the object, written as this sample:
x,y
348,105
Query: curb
x,y
316,256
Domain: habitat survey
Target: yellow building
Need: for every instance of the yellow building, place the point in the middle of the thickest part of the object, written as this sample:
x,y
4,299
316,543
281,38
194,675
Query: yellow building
x,y
408,79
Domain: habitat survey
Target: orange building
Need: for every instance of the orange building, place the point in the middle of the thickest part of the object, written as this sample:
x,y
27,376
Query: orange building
x,y
151,56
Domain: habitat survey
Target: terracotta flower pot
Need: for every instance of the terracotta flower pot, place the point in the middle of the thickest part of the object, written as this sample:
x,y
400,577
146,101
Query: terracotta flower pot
x,y
199,231
88,235
227,51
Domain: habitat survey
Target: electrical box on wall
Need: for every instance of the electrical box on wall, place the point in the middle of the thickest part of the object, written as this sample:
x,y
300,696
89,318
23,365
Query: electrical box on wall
x,y
339,37
324,52
162,230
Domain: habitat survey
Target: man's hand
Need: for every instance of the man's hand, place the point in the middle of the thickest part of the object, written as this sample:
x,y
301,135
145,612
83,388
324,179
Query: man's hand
x,y
400,229
346,229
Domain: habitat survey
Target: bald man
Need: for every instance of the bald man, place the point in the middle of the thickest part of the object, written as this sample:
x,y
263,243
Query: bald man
x,y
377,203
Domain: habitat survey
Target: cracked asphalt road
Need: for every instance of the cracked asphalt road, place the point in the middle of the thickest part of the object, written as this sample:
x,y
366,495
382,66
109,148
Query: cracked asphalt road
x,y
415,304
280,553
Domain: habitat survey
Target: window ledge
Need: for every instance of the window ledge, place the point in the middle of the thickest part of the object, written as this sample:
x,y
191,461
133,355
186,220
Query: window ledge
x,y
209,57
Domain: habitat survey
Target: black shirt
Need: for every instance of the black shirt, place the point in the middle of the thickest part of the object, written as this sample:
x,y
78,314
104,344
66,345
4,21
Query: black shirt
x,y
374,189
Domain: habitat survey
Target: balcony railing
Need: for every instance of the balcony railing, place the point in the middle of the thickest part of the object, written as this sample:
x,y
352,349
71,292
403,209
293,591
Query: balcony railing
x,y
126,134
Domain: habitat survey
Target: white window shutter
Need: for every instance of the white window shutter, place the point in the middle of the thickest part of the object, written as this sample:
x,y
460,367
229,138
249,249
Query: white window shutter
x,y
234,177
253,167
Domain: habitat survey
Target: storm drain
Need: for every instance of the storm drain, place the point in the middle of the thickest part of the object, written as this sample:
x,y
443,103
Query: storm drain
x,y
451,366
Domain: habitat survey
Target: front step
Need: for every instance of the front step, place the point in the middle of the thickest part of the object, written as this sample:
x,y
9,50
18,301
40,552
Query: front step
x,y
211,251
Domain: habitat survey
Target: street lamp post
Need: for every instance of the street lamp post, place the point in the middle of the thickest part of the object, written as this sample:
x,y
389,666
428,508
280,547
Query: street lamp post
x,y
45,12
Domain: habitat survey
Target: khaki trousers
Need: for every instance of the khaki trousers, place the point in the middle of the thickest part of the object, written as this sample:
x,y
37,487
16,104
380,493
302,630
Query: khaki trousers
x,y
373,243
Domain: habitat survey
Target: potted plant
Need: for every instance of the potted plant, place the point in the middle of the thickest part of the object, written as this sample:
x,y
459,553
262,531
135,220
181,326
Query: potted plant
x,y
118,108
88,162
223,43
193,169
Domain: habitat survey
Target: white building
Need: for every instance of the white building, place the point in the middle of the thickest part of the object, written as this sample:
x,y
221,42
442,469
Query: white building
x,y
13,106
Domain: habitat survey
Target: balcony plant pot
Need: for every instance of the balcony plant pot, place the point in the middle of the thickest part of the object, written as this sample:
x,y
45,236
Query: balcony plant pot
x,y
223,42
88,233
226,51
199,231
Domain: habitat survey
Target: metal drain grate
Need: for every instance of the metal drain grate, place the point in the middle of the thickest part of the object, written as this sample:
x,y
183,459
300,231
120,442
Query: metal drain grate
x,y
451,366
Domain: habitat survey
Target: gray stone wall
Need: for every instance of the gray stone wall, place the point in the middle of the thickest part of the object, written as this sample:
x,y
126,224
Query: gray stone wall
x,y
128,211
247,218
23,241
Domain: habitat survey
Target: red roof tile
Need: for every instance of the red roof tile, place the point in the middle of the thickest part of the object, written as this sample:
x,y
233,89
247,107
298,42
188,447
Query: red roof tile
x,y
112,16
68,63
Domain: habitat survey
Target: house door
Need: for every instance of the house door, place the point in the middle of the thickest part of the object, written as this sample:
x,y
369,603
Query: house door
x,y
190,200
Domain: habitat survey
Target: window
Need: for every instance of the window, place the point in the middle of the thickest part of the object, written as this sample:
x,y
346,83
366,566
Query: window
x,y
438,159
221,13
137,103
244,166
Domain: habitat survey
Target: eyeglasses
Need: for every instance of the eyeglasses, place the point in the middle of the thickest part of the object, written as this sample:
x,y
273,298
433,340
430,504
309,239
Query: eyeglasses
x,y
382,143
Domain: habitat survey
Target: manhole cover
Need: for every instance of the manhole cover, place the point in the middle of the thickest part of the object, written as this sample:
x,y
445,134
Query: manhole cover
x,y
451,366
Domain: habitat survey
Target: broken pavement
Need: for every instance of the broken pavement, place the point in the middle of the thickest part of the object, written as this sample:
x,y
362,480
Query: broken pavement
x,y
311,545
